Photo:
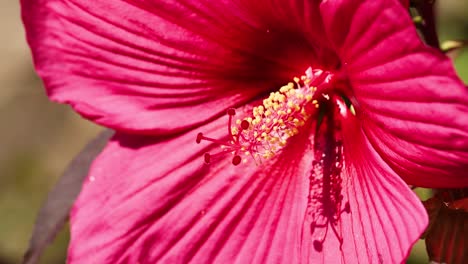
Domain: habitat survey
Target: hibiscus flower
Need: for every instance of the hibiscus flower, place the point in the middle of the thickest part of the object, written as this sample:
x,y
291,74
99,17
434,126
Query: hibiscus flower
x,y
321,178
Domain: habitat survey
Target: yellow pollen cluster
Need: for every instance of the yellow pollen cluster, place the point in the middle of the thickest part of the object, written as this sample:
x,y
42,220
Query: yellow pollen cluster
x,y
280,117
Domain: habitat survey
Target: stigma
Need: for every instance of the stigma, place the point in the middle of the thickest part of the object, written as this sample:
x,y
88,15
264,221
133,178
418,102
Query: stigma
x,y
266,131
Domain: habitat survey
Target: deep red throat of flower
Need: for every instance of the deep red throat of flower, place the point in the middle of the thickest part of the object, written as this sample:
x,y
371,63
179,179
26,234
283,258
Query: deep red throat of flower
x,y
327,158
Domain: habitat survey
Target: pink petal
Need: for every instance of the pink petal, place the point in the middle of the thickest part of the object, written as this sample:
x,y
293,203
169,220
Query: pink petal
x,y
414,107
386,217
149,200
164,66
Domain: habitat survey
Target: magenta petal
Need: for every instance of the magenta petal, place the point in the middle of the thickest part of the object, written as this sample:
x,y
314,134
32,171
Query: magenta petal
x,y
386,217
149,200
414,107
139,65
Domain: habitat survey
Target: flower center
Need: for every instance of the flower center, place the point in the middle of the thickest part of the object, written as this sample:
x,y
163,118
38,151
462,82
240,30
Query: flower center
x,y
267,130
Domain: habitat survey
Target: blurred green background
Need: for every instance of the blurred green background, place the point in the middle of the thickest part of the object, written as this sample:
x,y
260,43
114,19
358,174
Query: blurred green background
x,y
39,138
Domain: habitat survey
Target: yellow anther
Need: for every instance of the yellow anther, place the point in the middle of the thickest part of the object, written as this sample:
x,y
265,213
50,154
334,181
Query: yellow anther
x,y
352,110
281,98
280,117
291,92
260,110
276,106
284,89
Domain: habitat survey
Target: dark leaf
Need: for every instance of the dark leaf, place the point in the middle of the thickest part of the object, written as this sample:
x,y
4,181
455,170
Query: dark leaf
x,y
54,212
447,234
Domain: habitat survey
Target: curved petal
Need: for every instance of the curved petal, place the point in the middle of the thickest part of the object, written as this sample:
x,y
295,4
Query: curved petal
x,y
413,107
386,218
152,199
140,65
164,205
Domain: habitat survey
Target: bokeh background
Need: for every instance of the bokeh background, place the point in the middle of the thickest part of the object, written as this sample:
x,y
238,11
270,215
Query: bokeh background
x,y
38,138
